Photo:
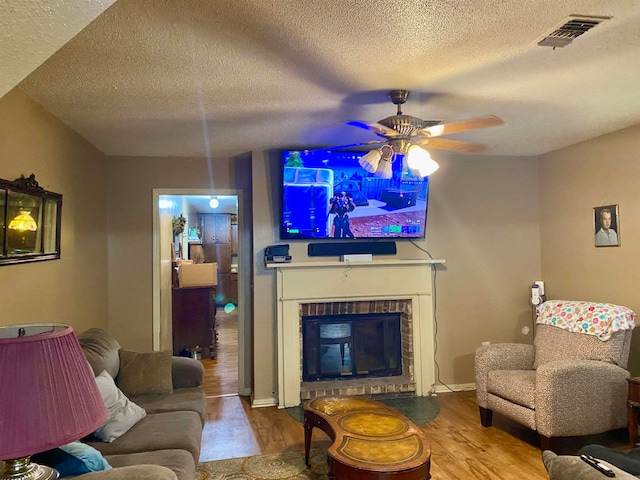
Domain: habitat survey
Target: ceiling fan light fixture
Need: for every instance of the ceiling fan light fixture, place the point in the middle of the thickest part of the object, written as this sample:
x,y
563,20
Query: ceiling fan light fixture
x,y
420,162
384,169
371,160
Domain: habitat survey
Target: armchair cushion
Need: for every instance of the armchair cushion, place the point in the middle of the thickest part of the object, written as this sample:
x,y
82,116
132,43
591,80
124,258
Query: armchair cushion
x,y
578,346
517,386
145,373
499,356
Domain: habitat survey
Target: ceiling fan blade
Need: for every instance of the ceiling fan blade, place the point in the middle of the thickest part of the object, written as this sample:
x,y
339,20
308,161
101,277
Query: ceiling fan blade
x,y
375,128
446,144
352,145
461,126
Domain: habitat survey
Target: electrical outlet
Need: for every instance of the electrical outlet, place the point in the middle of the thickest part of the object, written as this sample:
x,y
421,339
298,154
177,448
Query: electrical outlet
x,y
525,330
486,343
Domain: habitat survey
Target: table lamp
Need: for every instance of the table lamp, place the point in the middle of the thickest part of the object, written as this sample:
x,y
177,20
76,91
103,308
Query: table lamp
x,y
49,396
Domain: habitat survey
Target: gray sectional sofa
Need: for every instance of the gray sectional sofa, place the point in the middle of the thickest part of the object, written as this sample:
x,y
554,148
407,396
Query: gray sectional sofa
x,y
165,443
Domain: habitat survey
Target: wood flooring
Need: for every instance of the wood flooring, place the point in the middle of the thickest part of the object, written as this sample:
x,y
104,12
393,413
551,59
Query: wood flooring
x,y
221,374
461,449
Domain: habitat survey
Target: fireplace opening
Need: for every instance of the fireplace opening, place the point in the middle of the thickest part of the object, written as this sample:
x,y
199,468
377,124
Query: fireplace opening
x,y
351,346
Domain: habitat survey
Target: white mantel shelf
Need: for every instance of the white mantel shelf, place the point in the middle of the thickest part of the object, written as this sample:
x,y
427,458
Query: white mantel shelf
x,y
374,263
335,281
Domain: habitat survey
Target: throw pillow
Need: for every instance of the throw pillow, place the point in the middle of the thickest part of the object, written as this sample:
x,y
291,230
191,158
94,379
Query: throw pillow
x,y
122,414
145,373
570,467
74,458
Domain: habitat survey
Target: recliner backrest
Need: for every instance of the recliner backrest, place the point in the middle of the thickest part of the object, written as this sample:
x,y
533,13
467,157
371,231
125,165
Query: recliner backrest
x,y
554,343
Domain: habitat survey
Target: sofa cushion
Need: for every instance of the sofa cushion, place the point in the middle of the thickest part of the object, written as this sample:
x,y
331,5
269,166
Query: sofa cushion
x,y
179,461
183,399
122,414
101,351
74,458
159,431
569,467
577,346
145,373
133,472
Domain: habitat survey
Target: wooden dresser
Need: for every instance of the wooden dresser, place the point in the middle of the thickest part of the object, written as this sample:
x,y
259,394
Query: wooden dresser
x,y
193,319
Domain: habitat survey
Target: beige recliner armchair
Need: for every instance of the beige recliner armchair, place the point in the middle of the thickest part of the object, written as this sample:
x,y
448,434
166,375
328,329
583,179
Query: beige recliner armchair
x,y
571,382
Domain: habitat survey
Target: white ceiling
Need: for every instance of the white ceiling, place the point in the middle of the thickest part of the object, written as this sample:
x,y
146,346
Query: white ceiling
x,y
218,78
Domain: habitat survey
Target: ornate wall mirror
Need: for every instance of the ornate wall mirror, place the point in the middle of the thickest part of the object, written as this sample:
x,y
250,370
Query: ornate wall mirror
x,y
30,220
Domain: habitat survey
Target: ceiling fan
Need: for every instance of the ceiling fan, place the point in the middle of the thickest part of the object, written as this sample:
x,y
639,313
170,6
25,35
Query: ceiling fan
x,y
405,134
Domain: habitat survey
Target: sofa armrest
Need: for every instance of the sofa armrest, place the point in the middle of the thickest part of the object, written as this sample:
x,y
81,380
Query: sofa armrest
x,y
186,372
580,397
571,467
500,356
133,472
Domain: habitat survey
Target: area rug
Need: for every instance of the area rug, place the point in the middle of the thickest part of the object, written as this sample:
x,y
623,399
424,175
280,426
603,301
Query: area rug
x,y
419,410
275,466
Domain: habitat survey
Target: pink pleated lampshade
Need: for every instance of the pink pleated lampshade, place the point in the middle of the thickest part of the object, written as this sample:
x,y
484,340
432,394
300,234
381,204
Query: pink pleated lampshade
x,y
48,393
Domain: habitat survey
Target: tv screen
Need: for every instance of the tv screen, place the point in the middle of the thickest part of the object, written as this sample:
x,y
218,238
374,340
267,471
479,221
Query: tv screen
x,y
327,194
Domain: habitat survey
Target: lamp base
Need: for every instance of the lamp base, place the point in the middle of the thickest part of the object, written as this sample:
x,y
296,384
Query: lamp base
x,y
24,469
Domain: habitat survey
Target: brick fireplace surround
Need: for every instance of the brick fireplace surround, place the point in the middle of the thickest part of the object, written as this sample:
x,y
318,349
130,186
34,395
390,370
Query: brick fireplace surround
x,y
394,285
403,384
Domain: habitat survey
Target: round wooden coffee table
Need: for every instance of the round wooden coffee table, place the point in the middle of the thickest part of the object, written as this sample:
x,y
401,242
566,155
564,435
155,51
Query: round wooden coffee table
x,y
370,439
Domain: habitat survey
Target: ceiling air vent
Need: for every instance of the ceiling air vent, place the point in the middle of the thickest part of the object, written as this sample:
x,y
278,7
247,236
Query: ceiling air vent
x,y
570,29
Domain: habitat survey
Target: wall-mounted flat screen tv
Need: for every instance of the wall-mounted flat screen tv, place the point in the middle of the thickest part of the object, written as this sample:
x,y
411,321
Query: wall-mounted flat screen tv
x,y
327,194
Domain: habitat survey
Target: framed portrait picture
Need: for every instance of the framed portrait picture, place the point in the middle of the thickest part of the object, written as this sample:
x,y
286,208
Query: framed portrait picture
x,y
606,226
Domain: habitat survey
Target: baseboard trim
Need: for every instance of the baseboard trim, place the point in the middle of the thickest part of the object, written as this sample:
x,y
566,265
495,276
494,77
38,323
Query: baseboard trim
x,y
456,387
264,402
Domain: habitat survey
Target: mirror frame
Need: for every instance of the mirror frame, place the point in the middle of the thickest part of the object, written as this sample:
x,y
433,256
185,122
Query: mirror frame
x,y
49,223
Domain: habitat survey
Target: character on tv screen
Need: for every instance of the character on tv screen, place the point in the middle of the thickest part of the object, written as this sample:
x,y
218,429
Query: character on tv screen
x,y
340,205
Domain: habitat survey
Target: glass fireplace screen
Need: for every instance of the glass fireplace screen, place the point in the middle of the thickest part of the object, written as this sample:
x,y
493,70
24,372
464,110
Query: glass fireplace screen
x,y
351,346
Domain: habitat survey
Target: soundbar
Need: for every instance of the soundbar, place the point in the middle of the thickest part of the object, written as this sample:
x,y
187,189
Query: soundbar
x,y
351,248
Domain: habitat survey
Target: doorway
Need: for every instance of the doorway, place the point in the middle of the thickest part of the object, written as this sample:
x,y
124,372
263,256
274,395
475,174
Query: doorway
x,y
198,210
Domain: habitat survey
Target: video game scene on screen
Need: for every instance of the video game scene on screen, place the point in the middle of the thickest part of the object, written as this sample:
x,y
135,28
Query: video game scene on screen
x,y
327,194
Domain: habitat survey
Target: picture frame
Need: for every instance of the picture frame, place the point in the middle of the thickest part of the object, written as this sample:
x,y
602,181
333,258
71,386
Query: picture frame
x,y
606,226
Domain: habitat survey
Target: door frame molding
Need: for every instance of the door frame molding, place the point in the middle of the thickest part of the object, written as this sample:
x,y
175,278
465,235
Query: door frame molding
x,y
243,387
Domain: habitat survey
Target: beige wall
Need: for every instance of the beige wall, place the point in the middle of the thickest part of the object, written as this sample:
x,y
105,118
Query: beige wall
x,y
73,289
573,180
131,181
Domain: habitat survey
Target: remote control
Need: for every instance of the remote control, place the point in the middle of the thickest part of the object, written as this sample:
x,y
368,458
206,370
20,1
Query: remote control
x,y
601,467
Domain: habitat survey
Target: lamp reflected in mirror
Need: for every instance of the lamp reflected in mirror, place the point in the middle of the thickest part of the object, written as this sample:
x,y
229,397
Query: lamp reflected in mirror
x,y
23,222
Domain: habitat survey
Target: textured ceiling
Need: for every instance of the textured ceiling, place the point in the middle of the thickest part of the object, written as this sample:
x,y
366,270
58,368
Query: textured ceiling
x,y
30,32
218,78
